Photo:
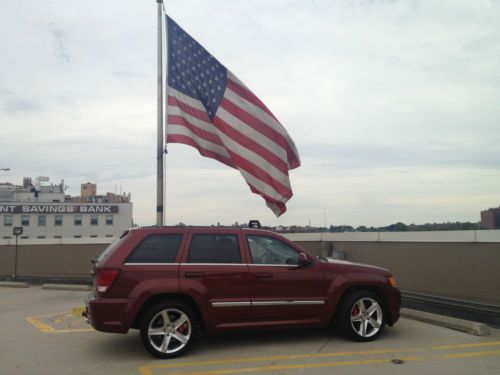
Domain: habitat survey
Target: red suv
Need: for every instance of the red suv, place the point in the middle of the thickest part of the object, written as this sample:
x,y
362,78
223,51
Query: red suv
x,y
171,282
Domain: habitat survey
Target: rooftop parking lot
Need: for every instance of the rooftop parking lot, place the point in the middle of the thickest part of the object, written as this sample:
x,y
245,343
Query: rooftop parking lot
x,y
41,333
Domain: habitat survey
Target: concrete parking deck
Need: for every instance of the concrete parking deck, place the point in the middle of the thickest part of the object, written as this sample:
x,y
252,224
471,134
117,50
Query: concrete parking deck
x,y
42,334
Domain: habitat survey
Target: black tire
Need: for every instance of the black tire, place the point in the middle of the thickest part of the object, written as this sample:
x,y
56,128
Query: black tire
x,y
172,338
356,324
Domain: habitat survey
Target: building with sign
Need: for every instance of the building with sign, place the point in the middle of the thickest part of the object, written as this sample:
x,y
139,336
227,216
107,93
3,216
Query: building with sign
x,y
44,211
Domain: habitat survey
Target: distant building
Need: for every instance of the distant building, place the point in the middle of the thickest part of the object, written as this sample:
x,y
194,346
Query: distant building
x,y
45,211
490,219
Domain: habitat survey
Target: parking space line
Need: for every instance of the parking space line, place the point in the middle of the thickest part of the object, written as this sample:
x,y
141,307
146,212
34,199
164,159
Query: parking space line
x,y
472,354
148,369
295,366
41,326
464,346
144,369
44,327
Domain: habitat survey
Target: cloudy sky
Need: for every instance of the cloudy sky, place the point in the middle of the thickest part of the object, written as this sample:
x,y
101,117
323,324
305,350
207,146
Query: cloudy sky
x,y
394,105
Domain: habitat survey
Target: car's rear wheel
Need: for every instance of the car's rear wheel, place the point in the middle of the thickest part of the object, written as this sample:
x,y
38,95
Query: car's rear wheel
x,y
361,316
168,329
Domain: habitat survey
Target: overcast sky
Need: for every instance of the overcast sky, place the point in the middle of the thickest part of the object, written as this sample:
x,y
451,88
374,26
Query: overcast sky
x,y
394,105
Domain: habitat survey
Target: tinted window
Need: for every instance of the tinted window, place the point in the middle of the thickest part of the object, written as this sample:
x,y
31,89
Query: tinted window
x,y
157,248
214,248
269,250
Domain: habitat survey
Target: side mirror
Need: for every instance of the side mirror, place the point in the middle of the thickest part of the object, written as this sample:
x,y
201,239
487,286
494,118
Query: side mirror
x,y
304,260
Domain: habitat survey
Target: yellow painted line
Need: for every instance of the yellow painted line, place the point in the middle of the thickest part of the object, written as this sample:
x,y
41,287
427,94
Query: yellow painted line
x,y
145,370
472,354
51,314
294,367
460,346
148,369
41,326
48,329
74,330
263,359
77,311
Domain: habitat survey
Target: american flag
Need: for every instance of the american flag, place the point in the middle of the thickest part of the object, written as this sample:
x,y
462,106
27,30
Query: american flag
x,y
210,109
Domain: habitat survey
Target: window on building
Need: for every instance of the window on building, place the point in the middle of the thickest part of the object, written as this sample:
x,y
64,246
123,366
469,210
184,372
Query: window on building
x,y
58,220
93,236
156,248
77,236
7,220
94,220
42,220
78,220
269,250
109,219
7,237
214,248
40,236
25,237
25,220
108,235
57,236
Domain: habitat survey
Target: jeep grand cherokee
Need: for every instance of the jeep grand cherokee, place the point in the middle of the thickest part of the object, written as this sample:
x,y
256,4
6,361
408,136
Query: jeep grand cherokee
x,y
172,282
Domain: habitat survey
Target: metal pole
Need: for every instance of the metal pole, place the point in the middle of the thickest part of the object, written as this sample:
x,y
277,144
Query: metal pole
x,y
159,150
15,260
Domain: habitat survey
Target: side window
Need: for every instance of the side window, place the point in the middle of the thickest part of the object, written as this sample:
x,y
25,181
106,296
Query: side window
x,y
156,248
269,250
214,248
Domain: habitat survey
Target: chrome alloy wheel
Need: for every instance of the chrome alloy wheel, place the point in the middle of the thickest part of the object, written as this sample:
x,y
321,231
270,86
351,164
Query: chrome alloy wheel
x,y
169,331
366,317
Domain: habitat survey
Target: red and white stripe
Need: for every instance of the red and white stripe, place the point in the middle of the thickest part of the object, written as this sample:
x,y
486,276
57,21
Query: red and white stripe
x,y
244,134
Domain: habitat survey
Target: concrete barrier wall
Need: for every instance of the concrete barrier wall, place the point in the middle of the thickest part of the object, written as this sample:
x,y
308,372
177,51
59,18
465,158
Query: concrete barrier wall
x,y
467,268
449,269
58,260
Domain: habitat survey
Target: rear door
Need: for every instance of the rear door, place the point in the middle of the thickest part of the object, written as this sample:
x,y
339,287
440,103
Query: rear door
x,y
282,291
214,271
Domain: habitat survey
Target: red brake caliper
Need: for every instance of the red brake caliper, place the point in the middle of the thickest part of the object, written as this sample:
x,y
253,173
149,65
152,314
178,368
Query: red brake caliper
x,y
182,328
355,311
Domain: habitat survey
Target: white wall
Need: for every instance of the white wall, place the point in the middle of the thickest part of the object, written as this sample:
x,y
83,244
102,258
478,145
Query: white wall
x,y
431,236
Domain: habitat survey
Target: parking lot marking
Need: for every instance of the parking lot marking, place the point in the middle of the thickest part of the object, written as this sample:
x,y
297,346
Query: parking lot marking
x,y
474,345
472,354
148,369
60,318
41,326
294,367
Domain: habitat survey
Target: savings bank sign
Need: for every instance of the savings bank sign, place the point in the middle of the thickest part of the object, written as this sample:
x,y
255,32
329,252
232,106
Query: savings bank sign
x,y
58,208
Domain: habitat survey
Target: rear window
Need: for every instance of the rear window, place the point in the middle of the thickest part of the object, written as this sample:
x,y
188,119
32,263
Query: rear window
x,y
156,248
214,248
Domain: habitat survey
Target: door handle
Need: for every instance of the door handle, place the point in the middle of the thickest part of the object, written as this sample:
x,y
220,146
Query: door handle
x,y
263,275
194,274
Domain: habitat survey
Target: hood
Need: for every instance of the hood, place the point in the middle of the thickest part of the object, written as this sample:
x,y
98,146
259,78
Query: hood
x,y
357,265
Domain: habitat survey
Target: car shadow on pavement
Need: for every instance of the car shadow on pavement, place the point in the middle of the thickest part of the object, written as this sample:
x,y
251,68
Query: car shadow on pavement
x,y
244,341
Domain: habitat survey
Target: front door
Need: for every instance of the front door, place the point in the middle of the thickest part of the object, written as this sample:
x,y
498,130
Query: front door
x,y
282,290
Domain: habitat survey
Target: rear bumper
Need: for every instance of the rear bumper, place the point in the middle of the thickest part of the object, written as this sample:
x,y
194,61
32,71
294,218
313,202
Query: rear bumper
x,y
105,314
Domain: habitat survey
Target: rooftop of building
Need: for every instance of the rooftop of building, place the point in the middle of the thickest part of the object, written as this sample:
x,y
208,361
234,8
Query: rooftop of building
x,y
43,191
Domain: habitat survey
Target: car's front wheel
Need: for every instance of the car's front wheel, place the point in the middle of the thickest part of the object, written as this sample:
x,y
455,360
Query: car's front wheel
x,y
361,316
168,329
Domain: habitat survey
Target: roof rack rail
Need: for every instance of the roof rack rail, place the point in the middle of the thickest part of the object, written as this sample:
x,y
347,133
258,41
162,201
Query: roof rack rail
x,y
254,224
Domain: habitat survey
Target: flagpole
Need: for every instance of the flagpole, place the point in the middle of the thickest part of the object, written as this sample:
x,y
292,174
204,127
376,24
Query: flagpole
x,y
159,149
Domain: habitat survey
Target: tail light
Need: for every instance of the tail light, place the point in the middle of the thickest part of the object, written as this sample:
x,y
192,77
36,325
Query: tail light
x,y
105,277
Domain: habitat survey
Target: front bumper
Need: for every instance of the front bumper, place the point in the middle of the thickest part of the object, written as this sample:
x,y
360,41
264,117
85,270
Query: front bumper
x,y
105,314
393,305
